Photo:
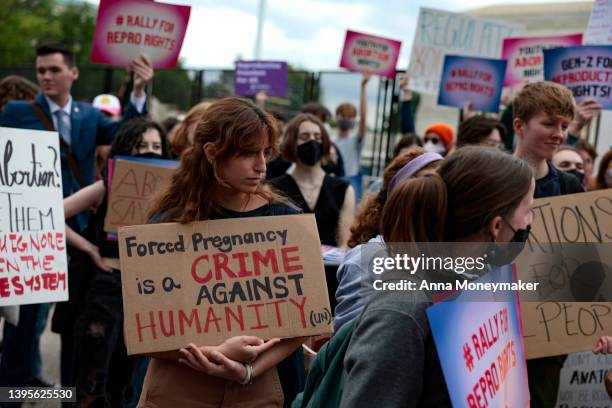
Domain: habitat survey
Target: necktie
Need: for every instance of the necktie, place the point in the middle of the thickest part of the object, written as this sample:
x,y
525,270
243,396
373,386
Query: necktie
x,y
62,125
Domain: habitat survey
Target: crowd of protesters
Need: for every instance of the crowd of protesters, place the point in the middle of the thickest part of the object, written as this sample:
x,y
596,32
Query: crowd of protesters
x,y
237,159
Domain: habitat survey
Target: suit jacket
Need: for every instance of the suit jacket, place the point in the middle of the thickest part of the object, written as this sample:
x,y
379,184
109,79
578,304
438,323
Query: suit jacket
x,y
89,128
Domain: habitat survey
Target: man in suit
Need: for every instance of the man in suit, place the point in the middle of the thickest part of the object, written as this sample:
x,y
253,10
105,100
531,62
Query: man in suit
x,y
81,127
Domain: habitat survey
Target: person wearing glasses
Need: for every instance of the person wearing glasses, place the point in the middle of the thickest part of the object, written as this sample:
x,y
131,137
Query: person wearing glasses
x,y
439,139
481,130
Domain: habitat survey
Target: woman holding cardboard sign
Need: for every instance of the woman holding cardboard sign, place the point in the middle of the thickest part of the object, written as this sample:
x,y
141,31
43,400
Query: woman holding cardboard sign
x,y
222,176
93,318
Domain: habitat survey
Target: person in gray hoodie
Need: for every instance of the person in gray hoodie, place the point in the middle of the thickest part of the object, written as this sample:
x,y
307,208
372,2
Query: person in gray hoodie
x,y
391,360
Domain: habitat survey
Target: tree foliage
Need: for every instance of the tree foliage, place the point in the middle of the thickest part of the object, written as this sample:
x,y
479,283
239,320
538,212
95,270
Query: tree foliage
x,y
27,22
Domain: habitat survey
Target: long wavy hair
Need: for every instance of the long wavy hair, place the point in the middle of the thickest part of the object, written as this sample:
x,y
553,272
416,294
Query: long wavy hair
x,y
235,126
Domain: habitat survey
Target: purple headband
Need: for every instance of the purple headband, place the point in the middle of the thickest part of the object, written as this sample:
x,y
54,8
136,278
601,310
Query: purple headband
x,y
412,167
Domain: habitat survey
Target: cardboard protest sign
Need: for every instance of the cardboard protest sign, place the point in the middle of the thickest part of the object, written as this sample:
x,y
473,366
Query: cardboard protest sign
x,y
585,70
207,281
478,81
369,52
556,328
127,28
480,348
581,383
526,59
441,32
583,217
133,184
33,266
251,77
560,225
599,30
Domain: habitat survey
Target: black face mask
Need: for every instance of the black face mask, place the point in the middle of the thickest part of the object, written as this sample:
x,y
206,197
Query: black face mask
x,y
500,254
148,155
345,124
309,153
577,174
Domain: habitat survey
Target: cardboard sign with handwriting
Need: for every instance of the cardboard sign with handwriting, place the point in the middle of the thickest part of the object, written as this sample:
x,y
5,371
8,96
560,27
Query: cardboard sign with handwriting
x,y
439,33
207,281
555,328
132,187
558,257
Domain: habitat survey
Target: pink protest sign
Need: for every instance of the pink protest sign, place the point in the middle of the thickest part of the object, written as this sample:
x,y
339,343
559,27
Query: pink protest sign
x,y
128,28
368,52
526,59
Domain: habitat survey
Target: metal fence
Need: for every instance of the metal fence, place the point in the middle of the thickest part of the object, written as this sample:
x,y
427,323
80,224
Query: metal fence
x,y
180,89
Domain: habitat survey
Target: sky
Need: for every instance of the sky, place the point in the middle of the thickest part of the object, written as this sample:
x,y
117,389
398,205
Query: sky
x,y
309,34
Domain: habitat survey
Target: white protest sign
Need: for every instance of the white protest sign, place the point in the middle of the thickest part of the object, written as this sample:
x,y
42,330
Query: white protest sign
x,y
33,266
442,32
581,383
599,30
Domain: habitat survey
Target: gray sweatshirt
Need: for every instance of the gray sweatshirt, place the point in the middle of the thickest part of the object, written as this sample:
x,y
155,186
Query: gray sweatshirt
x,y
392,360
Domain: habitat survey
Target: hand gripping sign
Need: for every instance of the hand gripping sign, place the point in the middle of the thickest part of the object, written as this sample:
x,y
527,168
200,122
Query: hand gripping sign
x,y
127,28
207,281
365,52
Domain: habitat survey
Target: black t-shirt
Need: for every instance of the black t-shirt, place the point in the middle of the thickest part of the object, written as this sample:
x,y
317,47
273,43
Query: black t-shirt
x,y
327,208
290,370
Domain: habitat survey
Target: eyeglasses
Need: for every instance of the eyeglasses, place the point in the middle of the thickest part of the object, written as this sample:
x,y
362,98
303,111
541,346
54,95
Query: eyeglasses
x,y
493,143
433,140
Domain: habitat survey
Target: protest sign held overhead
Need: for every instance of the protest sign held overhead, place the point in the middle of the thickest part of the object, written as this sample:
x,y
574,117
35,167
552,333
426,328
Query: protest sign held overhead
x,y
482,357
478,81
365,52
441,32
207,281
133,185
586,71
251,77
127,28
526,59
599,30
33,266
